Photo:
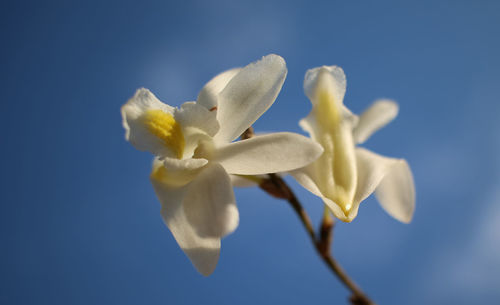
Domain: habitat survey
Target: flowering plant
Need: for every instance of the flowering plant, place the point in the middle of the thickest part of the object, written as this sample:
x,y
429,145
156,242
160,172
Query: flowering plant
x,y
197,160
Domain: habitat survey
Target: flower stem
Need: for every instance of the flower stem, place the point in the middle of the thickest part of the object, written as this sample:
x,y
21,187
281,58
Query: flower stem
x,y
323,244
326,232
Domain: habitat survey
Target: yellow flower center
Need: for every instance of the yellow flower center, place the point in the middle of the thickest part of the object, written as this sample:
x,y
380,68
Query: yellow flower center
x,y
164,126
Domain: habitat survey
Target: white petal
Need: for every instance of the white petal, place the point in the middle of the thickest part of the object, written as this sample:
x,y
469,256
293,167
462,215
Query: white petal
x,y
208,95
331,77
339,213
176,173
306,177
197,123
330,123
248,95
396,192
244,180
379,114
272,153
136,131
209,203
310,125
202,251
142,100
193,115
371,169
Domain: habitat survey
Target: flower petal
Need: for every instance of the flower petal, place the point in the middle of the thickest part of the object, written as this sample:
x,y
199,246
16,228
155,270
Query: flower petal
x,y
392,176
177,173
379,114
137,130
208,95
193,115
306,177
330,123
202,251
371,169
209,203
197,123
248,95
271,153
331,77
396,192
245,180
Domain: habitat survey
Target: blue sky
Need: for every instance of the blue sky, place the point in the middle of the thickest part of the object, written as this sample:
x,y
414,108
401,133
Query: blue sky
x,y
79,222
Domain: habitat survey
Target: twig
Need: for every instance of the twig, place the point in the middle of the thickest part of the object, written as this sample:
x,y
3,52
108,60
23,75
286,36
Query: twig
x,y
326,232
322,246
247,134
288,195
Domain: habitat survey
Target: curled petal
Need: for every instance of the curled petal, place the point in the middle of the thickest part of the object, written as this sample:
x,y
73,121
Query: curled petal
x,y
306,177
371,169
338,212
332,78
393,180
325,87
245,180
195,116
396,192
202,251
209,94
272,153
379,114
248,95
198,124
139,129
176,173
310,123
209,203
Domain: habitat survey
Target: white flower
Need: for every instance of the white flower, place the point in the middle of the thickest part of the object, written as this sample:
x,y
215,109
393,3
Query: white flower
x,y
345,174
195,153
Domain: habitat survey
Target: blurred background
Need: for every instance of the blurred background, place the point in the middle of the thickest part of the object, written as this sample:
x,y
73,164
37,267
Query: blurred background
x,y
79,221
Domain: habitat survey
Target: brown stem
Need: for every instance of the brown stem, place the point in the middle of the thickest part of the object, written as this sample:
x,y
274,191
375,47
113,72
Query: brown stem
x,y
321,245
326,233
247,134
288,195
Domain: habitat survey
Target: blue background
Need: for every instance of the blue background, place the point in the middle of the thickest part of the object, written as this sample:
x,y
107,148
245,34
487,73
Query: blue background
x,y
79,222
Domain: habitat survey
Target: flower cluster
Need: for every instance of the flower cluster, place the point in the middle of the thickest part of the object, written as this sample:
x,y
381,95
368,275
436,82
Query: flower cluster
x,y
196,154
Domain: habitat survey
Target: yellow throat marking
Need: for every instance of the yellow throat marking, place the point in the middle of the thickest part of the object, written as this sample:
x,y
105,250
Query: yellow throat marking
x,y
164,126
335,163
328,114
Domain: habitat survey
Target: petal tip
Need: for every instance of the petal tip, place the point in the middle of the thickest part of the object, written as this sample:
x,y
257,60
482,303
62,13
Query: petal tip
x,y
276,58
390,106
276,63
329,76
204,260
406,221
